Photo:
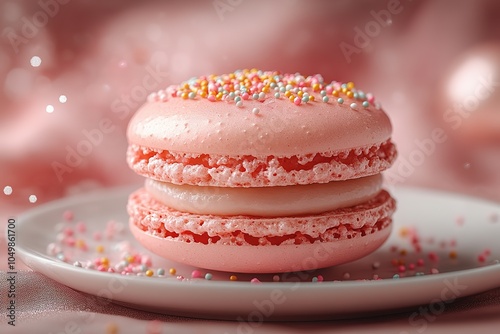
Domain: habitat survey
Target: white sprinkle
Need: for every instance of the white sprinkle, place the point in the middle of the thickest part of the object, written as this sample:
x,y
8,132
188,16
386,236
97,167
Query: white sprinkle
x,y
7,190
32,199
63,99
49,108
255,111
35,61
239,104
354,105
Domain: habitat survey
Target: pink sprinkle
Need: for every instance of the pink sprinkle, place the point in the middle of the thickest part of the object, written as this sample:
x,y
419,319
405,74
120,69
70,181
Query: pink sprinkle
x,y
146,259
255,280
245,96
329,89
276,278
68,231
70,241
320,278
434,271
433,256
453,242
411,266
196,274
211,98
370,97
481,258
297,101
111,270
97,236
420,262
68,215
401,268
180,277
102,268
81,227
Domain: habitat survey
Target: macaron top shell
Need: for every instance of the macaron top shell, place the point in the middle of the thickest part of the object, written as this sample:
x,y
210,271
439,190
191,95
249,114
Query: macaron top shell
x,y
274,114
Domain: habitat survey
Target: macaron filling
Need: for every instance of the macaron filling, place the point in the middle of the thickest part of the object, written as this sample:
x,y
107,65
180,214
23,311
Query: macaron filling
x,y
266,201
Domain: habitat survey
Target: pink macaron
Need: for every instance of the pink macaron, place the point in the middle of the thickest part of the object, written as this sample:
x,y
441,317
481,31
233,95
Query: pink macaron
x,y
261,172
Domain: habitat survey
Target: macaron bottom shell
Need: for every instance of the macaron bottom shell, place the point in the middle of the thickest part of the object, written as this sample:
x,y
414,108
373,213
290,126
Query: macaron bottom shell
x,y
217,243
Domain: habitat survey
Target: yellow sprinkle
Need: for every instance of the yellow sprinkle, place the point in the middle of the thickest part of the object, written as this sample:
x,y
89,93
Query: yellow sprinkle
x,y
233,278
185,86
288,93
105,261
129,259
218,96
203,94
291,98
350,85
311,98
344,90
184,95
335,93
172,271
403,232
80,243
100,249
316,87
453,255
266,89
350,94
149,272
112,329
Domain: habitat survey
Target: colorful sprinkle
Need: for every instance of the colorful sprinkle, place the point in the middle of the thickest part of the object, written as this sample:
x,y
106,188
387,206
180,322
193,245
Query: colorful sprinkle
x,y
196,274
172,271
208,276
233,278
255,84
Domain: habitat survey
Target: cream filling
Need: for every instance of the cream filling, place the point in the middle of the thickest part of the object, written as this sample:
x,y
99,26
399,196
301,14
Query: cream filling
x,y
266,201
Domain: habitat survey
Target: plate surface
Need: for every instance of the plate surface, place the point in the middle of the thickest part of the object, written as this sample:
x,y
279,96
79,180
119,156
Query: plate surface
x,y
442,247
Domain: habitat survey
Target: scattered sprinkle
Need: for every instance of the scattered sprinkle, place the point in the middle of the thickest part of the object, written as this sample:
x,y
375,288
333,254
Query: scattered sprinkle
x,y
208,276
255,111
255,280
49,108
233,278
63,99
172,271
196,274
32,198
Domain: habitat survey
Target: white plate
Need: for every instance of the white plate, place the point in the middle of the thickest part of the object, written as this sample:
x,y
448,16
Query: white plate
x,y
447,225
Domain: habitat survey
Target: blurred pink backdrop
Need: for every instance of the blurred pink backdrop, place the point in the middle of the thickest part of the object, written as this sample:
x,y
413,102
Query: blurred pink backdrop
x,y
72,72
